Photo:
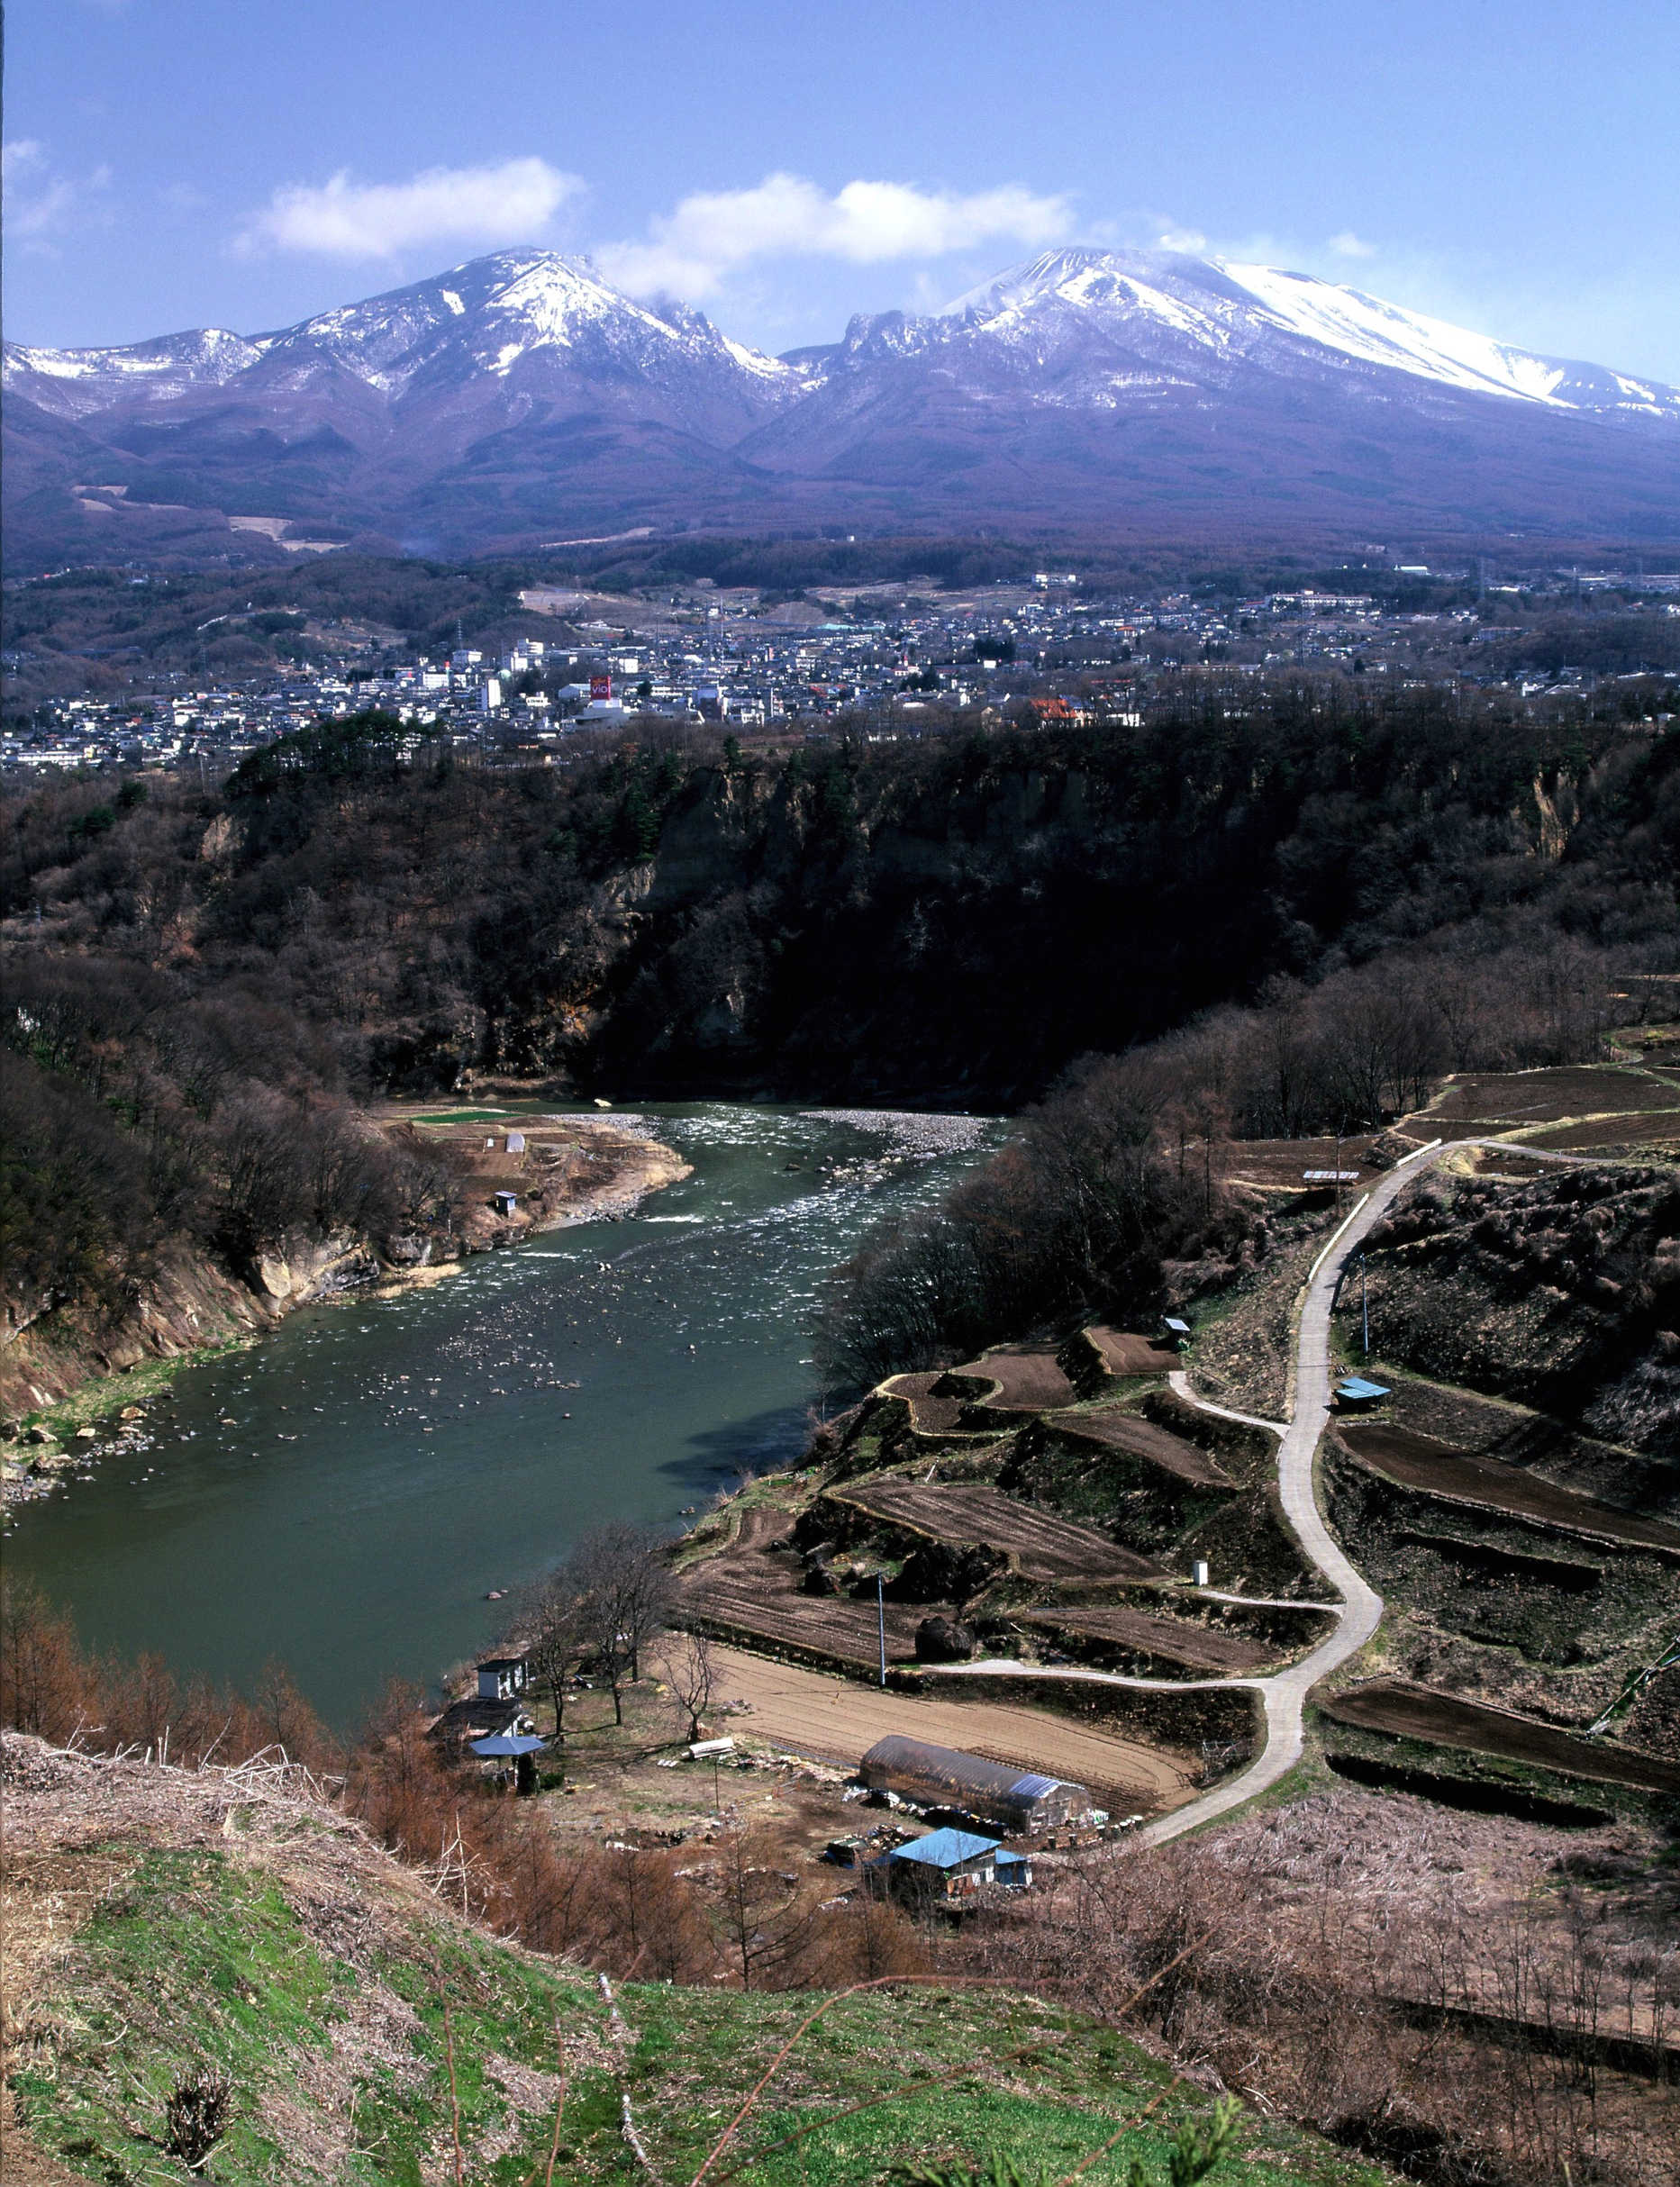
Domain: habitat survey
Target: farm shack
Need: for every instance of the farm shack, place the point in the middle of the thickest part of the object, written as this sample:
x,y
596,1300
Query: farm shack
x,y
500,1677
950,1865
505,1203
993,1792
1355,1394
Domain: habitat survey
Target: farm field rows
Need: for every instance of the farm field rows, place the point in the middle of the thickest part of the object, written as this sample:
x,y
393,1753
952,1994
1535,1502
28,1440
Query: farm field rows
x,y
1048,1548
1414,1461
1419,1712
1210,1653
1142,1438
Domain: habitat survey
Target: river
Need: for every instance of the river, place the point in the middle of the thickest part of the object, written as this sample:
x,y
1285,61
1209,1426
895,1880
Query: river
x,y
346,1494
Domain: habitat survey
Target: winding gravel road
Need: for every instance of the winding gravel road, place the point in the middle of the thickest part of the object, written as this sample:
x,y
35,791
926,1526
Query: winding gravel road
x,y
1359,1608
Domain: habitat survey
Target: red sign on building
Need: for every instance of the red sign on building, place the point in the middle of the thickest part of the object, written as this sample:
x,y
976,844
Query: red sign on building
x,y
600,687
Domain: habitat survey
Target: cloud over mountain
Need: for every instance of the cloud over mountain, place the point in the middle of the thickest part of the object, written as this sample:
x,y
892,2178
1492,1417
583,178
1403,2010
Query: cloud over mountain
x,y
690,250
443,207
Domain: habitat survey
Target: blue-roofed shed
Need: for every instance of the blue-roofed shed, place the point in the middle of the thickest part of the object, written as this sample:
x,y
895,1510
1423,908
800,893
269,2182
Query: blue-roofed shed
x,y
951,1863
1355,1394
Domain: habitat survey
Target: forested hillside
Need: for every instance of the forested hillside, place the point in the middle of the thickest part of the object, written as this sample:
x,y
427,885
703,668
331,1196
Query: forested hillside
x,y
1381,885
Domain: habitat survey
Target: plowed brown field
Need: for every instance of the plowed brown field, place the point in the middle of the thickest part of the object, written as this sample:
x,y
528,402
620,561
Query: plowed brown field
x,y
1284,1162
751,1589
836,1720
1417,1713
929,1415
1126,1353
1143,1439
1541,1097
1049,1549
1214,1654
1657,1128
1414,1461
1031,1380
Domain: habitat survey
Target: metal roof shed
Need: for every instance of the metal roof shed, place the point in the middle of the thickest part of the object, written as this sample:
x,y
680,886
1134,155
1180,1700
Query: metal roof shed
x,y
1355,1394
951,1864
996,1792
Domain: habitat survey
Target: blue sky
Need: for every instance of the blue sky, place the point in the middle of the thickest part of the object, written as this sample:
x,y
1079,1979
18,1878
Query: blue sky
x,y
174,163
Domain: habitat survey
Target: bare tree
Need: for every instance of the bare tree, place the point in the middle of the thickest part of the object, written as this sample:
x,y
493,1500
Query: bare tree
x,y
765,1917
622,1581
555,1627
693,1673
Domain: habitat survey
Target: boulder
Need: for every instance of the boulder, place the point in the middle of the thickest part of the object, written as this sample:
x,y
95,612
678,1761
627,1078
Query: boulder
x,y
943,1640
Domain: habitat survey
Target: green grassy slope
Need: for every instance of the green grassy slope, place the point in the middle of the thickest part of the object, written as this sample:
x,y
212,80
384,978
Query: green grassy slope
x,y
327,2013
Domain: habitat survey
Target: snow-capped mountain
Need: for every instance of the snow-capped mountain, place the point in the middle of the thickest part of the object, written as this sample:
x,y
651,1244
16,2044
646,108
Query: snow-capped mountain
x,y
1199,312
519,320
519,397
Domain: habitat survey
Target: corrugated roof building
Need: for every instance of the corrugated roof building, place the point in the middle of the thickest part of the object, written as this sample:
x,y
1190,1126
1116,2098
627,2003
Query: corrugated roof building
x,y
993,1792
951,1864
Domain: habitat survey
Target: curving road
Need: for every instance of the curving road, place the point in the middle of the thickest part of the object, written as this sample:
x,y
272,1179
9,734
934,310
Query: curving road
x,y
1359,1608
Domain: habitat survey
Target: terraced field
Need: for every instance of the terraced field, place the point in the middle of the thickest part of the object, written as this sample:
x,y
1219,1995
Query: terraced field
x,y
1142,1438
1415,1461
1048,1548
756,1590
1513,1099
1214,1654
1031,1380
929,1414
1125,1353
1417,1712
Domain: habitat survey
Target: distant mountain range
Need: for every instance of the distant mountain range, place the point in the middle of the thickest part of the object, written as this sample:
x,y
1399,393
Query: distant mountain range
x,y
519,400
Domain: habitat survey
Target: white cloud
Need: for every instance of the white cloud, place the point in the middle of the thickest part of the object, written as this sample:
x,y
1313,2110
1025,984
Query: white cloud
x,y
18,157
1347,245
710,235
1189,239
343,219
40,202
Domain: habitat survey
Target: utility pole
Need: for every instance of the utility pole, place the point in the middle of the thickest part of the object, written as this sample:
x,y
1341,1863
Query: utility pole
x,y
880,1611
1365,1310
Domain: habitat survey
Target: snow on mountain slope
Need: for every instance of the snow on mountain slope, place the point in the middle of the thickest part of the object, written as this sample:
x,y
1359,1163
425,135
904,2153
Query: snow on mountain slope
x,y
485,318
1174,306
518,396
73,383
1364,326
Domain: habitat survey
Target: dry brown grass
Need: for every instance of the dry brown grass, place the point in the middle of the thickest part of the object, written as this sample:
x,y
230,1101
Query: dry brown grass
x,y
1443,1990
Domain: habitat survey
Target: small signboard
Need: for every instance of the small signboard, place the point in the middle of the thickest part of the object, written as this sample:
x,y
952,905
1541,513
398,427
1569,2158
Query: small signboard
x,y
1330,1176
600,687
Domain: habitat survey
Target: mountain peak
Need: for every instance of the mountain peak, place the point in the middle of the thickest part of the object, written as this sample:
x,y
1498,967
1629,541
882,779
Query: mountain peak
x,y
524,393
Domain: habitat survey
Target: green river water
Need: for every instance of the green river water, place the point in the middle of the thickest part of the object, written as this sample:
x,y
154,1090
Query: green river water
x,y
346,1494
